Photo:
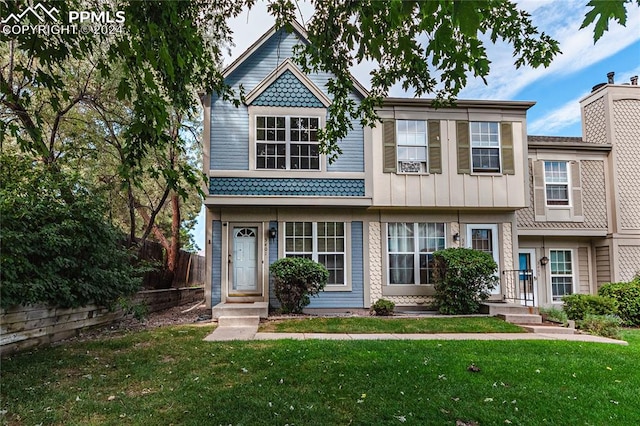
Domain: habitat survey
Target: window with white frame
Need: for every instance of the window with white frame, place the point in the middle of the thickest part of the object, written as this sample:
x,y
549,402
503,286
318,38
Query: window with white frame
x,y
323,242
410,249
485,146
287,143
561,273
556,179
411,139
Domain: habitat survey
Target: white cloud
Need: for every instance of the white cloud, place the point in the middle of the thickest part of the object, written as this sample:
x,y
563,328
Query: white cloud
x,y
568,114
562,21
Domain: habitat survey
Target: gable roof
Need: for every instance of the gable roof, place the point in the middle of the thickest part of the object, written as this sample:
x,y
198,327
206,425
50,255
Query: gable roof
x,y
302,33
308,95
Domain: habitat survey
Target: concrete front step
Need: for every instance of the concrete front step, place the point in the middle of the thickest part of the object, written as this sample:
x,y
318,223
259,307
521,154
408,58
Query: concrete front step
x,y
238,321
548,329
495,308
259,309
521,318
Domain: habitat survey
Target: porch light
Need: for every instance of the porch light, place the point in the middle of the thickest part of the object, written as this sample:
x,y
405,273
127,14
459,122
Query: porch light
x,y
544,260
456,237
273,233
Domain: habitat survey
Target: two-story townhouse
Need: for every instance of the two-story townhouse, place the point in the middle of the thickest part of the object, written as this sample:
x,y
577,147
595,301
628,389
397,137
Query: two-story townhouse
x,y
271,192
422,180
582,226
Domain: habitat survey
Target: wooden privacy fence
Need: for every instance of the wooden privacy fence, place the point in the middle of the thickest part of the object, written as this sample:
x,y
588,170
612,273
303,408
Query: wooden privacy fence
x,y
23,327
190,269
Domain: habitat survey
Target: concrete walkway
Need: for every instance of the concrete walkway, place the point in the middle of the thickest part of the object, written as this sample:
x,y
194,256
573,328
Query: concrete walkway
x,y
251,333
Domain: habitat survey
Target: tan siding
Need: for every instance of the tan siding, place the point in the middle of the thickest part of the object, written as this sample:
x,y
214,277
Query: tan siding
x,y
583,270
627,135
603,265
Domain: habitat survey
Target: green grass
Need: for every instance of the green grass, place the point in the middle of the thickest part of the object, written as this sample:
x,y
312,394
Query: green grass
x,y
390,325
170,376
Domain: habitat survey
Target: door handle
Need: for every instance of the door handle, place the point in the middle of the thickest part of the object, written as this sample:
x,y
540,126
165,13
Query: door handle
x,y
230,261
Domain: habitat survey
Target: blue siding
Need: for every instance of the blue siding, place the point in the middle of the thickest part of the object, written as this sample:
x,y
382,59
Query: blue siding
x,y
273,256
216,262
229,136
355,297
287,187
230,125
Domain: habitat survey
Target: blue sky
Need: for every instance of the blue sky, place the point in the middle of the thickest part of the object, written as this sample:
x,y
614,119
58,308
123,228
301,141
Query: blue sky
x,y
556,89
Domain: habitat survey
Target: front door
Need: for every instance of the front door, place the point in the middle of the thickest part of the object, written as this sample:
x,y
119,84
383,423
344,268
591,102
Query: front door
x,y
485,238
527,286
244,262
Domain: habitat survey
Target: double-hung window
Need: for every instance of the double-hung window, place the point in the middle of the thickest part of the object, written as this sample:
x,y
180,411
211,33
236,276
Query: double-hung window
x,y
561,274
323,242
556,179
287,143
411,139
410,250
485,146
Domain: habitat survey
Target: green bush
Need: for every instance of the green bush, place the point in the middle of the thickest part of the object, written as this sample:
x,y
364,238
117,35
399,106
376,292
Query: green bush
x,y
57,246
383,307
601,325
628,297
295,279
578,306
555,314
463,278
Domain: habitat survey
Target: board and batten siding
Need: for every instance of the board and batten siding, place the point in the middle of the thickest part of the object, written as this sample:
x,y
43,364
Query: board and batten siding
x,y
229,134
449,187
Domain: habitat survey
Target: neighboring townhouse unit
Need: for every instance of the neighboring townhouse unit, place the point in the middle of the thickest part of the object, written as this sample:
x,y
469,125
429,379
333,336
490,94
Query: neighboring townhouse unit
x,y
424,179
582,226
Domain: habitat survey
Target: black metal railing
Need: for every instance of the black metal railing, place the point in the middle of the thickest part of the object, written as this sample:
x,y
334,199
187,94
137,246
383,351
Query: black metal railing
x,y
519,286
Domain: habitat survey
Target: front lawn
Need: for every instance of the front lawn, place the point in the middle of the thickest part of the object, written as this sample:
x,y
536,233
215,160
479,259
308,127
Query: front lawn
x,y
390,325
171,376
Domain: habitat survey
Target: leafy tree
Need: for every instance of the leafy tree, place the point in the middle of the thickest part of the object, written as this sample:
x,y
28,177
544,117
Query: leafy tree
x,y
57,250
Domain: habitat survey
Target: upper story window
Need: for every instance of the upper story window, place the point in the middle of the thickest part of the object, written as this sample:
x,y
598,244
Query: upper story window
x,y
556,179
411,138
485,146
287,143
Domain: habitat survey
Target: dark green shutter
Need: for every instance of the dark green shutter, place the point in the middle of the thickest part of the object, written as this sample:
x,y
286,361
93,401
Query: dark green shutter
x,y
508,162
463,146
435,147
389,146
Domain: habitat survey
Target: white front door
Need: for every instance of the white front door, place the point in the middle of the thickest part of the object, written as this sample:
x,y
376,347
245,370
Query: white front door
x,y
528,277
485,238
244,261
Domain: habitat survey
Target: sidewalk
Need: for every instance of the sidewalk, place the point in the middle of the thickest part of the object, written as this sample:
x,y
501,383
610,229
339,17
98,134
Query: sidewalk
x,y
251,333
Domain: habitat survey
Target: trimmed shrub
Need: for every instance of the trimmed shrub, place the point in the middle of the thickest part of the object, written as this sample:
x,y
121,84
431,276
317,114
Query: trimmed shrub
x,y
463,278
383,307
295,279
601,325
628,297
578,306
